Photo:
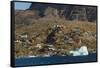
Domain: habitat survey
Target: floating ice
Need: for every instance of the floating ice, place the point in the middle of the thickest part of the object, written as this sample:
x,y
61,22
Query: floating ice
x,y
80,52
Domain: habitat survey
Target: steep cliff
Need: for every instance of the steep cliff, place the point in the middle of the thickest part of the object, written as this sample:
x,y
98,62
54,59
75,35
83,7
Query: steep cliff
x,y
70,12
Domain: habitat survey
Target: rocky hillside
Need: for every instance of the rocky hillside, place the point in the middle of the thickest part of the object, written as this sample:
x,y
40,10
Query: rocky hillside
x,y
54,12
40,39
66,11
52,29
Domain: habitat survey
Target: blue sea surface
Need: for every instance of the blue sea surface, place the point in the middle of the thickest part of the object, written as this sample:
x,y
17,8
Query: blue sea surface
x,y
19,62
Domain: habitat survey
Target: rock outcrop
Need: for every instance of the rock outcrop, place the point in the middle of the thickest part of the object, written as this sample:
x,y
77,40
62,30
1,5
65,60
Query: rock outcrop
x,y
66,11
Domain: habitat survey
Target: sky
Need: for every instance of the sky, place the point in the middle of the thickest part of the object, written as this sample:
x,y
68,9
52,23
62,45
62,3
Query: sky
x,y
22,5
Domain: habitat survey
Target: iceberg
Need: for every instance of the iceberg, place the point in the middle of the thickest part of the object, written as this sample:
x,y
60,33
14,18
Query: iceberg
x,y
79,52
